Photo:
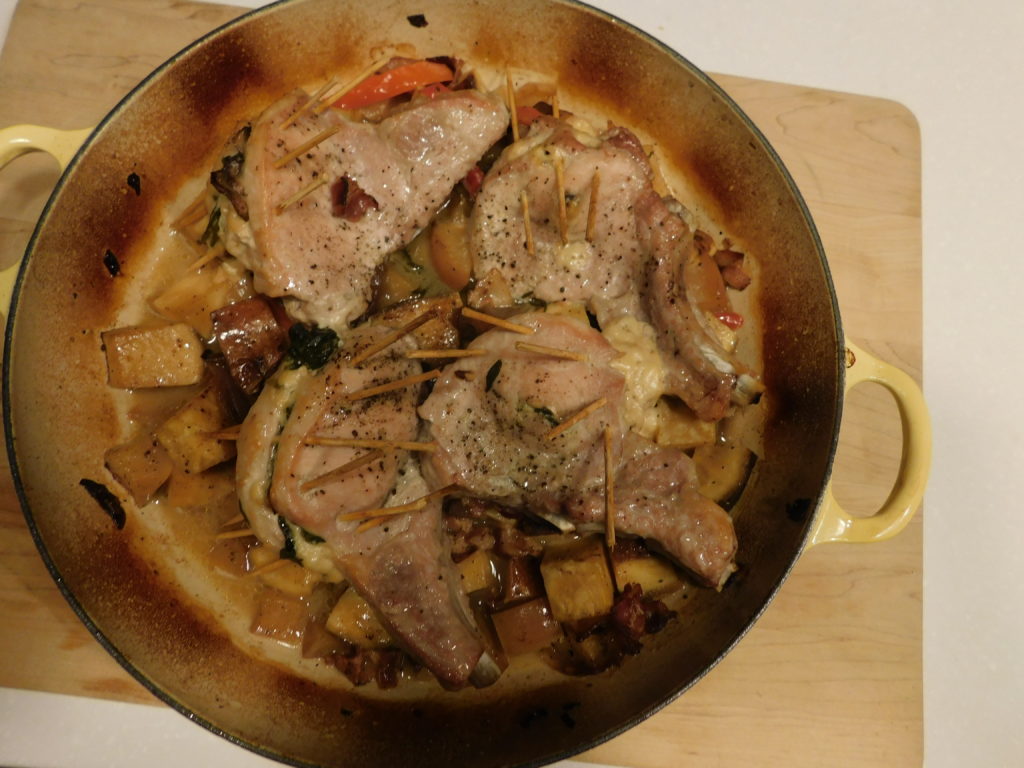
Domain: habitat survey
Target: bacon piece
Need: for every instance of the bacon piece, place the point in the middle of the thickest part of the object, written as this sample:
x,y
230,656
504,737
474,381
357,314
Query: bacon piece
x,y
252,340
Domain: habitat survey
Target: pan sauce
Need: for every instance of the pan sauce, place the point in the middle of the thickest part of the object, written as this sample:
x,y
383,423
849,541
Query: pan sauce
x,y
180,540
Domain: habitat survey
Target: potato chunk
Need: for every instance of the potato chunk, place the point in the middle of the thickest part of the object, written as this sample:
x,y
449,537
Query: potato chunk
x,y
289,577
187,434
280,617
477,573
158,356
354,621
198,489
196,294
526,627
140,465
655,576
577,580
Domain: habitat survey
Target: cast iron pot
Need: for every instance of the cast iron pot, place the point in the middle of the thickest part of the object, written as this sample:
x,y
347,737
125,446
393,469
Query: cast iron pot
x,y
58,410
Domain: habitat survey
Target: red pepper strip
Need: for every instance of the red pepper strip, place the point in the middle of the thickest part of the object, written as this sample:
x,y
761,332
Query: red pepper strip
x,y
401,79
430,91
732,319
526,115
473,180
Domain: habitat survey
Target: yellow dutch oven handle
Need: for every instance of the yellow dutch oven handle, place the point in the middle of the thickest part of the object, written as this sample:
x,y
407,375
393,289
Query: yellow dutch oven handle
x,y
834,523
19,140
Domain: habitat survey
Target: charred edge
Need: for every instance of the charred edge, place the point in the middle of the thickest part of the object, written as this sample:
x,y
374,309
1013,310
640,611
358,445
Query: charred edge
x,y
798,510
108,502
111,263
492,375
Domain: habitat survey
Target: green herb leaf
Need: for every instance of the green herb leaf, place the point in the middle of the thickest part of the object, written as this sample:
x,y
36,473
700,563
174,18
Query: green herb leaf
x,y
288,550
212,231
312,538
311,346
547,413
492,374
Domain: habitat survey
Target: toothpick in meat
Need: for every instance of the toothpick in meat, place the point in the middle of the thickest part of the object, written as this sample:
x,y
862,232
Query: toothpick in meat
x,y
308,189
531,248
541,349
577,418
346,442
391,338
391,386
609,491
512,104
595,186
434,354
498,322
563,218
309,103
350,466
306,146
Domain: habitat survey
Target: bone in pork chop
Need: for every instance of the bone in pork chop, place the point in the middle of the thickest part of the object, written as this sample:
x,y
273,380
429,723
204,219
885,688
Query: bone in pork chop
x,y
491,415
402,567
382,183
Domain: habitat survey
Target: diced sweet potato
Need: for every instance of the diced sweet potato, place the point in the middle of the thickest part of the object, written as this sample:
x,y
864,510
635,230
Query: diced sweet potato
x,y
679,426
450,253
289,577
477,573
526,627
198,489
252,340
522,580
577,580
230,556
140,465
655,575
280,617
722,468
197,293
317,642
434,334
187,434
355,622
157,356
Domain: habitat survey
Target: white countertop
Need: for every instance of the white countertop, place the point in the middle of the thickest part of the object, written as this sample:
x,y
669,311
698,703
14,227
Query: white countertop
x,y
957,67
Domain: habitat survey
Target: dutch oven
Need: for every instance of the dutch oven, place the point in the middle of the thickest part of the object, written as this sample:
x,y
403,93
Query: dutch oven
x,y
59,412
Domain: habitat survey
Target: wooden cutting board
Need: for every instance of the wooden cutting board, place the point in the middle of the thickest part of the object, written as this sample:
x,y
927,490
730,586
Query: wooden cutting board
x,y
832,672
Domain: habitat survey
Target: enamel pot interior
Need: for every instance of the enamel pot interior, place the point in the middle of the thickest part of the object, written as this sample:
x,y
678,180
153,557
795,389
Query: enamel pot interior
x,y
61,416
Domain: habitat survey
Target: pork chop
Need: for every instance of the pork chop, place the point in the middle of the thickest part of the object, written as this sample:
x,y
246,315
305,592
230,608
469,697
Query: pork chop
x,y
656,498
322,250
402,567
491,416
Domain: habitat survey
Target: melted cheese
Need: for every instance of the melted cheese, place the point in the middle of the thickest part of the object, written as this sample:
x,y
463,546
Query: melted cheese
x,y
640,362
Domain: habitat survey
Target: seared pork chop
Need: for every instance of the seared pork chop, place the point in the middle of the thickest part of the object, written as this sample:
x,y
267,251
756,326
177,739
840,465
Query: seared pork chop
x,y
656,498
381,183
402,567
491,415
624,250
605,265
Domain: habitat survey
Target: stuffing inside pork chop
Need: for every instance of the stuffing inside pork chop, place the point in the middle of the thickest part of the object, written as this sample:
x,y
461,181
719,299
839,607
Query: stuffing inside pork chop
x,y
401,567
